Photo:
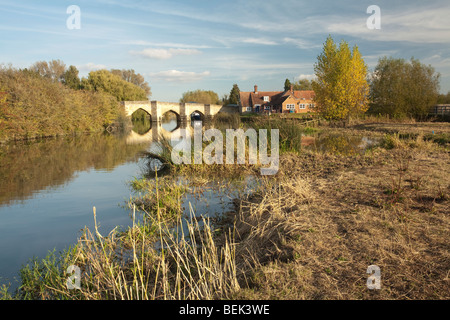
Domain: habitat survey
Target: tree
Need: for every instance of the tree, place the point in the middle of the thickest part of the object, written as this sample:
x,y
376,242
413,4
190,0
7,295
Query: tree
x,y
53,69
303,84
134,78
200,96
70,78
341,88
234,97
105,81
287,85
444,99
400,88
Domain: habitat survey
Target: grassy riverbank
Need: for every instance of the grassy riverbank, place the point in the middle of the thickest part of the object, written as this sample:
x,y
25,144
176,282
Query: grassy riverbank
x,y
310,232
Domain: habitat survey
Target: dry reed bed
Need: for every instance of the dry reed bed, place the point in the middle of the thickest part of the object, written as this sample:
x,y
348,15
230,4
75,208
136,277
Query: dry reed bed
x,y
388,208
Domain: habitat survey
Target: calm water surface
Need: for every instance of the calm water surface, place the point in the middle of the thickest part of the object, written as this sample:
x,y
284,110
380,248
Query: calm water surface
x,y
48,190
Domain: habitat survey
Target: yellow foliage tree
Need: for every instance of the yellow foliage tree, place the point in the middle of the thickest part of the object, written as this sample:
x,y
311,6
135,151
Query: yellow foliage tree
x,y
341,87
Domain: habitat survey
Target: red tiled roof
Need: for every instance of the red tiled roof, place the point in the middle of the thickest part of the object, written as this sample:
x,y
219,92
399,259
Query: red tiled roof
x,y
249,99
307,94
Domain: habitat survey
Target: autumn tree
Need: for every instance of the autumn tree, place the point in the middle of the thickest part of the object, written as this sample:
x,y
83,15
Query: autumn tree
x,y
341,88
105,81
200,96
401,88
134,78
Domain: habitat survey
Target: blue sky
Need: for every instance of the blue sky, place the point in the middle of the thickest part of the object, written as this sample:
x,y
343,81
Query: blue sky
x,y
187,45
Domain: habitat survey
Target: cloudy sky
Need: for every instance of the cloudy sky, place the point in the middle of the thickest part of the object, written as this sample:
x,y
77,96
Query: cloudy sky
x,y
209,44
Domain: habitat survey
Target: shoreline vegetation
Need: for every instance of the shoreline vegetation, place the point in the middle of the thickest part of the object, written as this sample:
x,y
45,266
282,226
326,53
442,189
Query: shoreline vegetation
x,y
309,232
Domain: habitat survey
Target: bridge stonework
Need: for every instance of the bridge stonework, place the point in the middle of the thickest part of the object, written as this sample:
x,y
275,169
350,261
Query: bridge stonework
x,y
156,109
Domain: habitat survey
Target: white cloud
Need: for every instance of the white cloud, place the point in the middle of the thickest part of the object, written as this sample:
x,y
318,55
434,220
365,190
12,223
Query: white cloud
x,y
306,76
163,54
91,66
262,41
178,76
302,44
164,44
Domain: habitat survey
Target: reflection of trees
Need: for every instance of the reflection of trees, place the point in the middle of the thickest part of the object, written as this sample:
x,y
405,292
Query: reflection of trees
x,y
141,121
142,126
31,166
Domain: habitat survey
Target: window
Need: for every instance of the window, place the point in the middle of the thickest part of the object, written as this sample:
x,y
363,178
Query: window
x,y
266,98
290,106
248,109
312,105
266,107
302,106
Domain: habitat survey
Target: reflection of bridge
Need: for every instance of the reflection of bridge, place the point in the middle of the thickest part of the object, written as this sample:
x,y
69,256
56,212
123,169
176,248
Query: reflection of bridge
x,y
157,109
157,131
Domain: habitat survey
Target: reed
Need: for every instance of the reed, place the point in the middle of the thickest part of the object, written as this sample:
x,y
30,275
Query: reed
x,y
157,258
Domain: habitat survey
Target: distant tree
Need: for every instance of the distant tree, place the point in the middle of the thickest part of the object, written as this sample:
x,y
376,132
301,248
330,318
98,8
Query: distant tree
x,y
200,96
303,84
401,88
53,69
134,78
105,81
70,78
234,95
341,88
287,85
444,98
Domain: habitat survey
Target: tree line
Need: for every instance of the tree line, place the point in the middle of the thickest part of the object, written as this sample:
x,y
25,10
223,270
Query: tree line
x,y
48,99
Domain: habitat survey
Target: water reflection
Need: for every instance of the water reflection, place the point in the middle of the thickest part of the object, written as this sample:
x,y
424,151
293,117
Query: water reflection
x,y
338,143
172,129
27,167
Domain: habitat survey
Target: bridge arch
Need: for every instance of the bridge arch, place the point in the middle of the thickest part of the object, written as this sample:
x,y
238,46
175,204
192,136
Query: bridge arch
x,y
196,115
170,120
141,121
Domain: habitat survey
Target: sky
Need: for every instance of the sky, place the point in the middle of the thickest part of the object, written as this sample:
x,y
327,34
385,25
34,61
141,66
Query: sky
x,y
180,46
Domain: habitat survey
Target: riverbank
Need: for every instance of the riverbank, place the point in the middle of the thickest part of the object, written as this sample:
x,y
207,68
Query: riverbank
x,y
310,232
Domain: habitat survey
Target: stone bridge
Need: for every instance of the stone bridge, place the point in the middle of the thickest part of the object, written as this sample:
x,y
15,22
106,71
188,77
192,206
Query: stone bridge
x,y
156,109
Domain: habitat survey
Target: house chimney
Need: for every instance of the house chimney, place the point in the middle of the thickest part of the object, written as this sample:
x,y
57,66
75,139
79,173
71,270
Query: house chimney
x,y
256,89
292,88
